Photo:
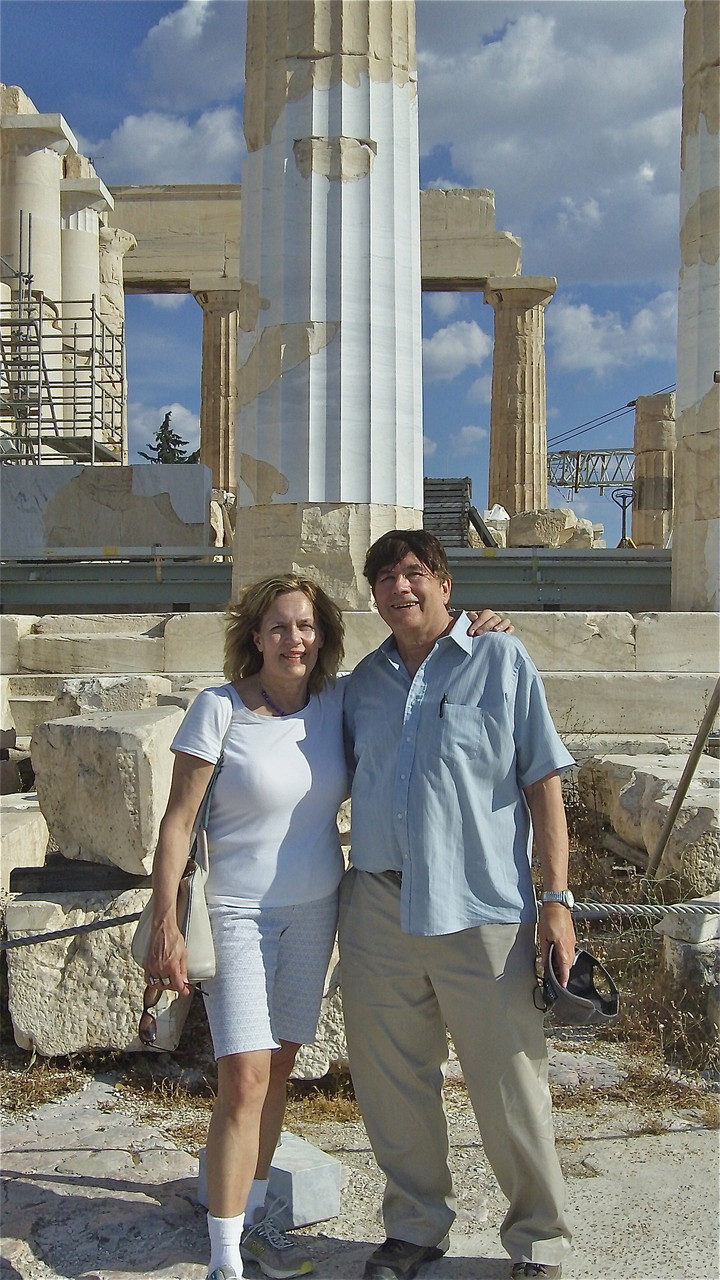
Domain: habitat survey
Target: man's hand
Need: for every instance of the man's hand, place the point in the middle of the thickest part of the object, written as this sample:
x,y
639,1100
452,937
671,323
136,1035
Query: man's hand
x,y
487,620
555,927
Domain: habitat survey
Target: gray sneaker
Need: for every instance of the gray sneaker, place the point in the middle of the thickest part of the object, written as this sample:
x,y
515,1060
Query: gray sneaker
x,y
222,1273
276,1255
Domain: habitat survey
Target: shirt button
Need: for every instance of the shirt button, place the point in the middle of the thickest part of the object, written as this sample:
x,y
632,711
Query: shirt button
x,y
403,777
399,815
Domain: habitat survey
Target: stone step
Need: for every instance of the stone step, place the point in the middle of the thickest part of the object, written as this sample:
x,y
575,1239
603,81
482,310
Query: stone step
x,y
628,702
30,710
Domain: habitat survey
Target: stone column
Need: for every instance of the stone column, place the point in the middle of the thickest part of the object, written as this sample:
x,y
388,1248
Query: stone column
x,y
696,532
329,351
114,244
654,446
218,385
87,375
518,412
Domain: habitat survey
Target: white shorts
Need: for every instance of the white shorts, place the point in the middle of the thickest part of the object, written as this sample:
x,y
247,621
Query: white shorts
x,y
270,974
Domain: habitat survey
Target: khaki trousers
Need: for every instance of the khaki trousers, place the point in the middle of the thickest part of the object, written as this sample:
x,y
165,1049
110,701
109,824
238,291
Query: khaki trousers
x,y
399,992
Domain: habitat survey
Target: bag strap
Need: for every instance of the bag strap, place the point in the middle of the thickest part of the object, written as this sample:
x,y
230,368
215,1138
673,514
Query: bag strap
x,y
203,813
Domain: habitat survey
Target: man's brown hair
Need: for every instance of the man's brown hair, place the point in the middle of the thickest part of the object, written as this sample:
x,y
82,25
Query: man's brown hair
x,y
398,543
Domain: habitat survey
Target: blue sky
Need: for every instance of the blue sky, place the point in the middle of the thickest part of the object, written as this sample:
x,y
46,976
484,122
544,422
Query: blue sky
x,y
568,109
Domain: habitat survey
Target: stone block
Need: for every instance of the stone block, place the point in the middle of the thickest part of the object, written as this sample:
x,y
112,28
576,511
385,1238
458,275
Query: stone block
x,y
578,641
76,696
12,627
551,527
693,928
7,723
99,624
78,653
627,701
635,792
677,642
103,781
364,631
30,710
306,1178
82,993
23,834
195,642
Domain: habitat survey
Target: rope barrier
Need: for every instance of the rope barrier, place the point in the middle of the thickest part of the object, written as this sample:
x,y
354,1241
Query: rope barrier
x,y
581,911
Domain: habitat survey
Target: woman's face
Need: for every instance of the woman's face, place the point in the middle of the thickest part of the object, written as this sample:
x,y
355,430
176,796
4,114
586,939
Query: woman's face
x,y
288,637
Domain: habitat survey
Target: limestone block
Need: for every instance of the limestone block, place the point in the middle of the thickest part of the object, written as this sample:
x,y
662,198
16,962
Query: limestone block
x,y
696,564
693,928
693,965
582,536
627,701
553,527
30,710
86,624
364,631
195,642
635,793
329,1052
81,993
108,693
12,627
23,834
103,781
578,641
7,723
77,653
677,642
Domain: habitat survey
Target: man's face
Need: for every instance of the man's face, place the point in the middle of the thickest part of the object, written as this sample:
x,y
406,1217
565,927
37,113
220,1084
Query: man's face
x,y
411,600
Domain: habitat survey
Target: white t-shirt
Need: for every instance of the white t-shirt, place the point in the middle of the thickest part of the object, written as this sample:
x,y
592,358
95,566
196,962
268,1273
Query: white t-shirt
x,y
272,833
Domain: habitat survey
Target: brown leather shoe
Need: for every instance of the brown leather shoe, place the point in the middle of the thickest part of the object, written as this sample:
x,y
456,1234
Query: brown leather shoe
x,y
400,1259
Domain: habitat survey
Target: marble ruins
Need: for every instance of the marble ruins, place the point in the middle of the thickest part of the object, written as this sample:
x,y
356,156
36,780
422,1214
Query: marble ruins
x,y
100,695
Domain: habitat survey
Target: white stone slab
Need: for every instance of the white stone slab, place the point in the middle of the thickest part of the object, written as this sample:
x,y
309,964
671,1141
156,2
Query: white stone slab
x,y
307,1179
100,655
195,642
627,702
103,781
677,642
12,627
578,641
23,834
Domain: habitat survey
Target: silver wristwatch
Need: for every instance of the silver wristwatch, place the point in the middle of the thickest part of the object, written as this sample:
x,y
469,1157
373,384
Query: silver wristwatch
x,y
559,895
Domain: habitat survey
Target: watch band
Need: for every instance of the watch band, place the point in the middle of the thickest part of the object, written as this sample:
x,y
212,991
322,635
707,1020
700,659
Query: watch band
x,y
563,896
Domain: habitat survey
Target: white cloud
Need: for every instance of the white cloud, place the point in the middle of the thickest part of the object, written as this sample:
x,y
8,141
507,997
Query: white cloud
x,y
453,349
571,114
584,339
168,301
145,420
429,446
194,56
156,147
443,305
480,391
467,439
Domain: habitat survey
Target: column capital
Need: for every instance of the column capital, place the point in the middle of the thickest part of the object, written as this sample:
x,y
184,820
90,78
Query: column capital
x,y
39,132
520,292
86,193
114,238
218,301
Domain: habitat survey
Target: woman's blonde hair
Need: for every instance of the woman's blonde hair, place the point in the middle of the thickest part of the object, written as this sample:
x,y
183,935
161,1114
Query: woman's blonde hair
x,y
244,616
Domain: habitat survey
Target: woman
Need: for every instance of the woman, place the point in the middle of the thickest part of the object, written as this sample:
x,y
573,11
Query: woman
x,y
275,867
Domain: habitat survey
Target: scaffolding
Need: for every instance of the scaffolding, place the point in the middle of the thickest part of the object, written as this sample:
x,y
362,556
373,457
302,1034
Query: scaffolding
x,y
61,379
590,469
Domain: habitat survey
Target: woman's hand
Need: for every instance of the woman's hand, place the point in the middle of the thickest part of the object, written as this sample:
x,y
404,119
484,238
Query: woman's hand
x,y
487,620
166,961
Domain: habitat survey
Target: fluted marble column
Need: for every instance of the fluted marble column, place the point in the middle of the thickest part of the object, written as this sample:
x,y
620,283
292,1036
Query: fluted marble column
x,y
329,382
696,531
518,411
654,447
218,384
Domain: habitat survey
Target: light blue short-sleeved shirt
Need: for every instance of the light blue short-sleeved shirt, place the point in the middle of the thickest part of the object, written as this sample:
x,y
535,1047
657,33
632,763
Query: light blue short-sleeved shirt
x,y
441,760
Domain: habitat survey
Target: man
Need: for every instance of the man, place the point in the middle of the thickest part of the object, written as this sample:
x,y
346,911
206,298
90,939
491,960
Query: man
x,y
454,752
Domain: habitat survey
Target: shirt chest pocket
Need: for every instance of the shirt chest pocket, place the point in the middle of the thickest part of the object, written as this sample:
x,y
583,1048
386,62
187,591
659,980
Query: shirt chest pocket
x,y
472,733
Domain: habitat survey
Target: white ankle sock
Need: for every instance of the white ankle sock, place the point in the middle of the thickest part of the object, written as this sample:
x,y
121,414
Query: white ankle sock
x,y
225,1236
256,1199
